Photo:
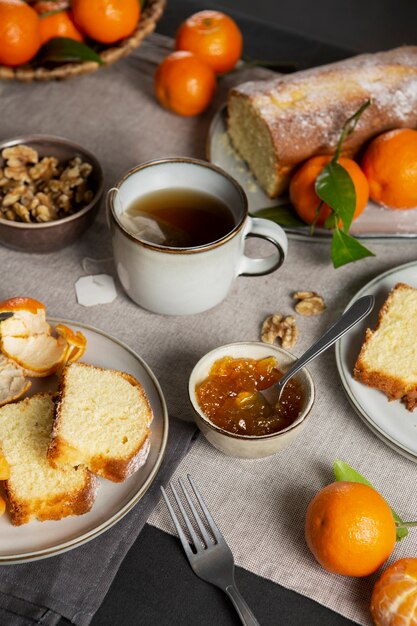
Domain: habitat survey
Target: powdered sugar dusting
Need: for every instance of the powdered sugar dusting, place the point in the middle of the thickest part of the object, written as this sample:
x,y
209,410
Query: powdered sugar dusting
x,y
305,111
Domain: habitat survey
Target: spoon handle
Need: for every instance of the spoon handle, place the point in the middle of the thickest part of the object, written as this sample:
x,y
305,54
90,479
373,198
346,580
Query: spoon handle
x,y
352,316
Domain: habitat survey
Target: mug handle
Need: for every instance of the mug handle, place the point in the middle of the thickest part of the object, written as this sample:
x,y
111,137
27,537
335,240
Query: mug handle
x,y
264,229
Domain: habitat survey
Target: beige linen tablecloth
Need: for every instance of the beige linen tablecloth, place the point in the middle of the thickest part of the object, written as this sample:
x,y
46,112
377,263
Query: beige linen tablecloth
x,y
259,505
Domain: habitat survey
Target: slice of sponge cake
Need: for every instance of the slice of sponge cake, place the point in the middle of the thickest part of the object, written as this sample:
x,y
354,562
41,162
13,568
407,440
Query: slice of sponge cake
x,y
102,421
36,490
388,358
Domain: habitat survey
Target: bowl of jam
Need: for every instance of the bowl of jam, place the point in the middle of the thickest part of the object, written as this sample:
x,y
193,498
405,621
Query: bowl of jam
x,y
224,390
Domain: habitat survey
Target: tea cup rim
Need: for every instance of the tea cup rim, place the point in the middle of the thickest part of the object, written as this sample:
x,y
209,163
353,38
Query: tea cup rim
x,y
171,249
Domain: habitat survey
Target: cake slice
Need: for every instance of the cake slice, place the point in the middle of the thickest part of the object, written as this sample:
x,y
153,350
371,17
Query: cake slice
x,y
388,358
35,490
102,421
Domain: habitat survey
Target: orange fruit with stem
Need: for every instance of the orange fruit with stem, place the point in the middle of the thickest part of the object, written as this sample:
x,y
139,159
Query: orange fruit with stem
x,y
390,165
58,24
214,36
106,21
350,529
184,83
394,596
20,37
303,196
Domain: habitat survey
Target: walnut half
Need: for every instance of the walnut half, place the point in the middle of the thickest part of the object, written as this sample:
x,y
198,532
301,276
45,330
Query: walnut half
x,y
279,326
309,303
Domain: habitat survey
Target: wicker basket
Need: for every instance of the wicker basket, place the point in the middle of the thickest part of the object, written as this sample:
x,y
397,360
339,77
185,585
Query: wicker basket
x,y
151,14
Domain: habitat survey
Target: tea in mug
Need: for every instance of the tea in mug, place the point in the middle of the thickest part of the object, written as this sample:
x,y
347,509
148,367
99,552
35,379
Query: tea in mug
x,y
178,218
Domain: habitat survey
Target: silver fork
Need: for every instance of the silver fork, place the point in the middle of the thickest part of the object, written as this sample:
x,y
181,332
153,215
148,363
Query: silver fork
x,y
212,561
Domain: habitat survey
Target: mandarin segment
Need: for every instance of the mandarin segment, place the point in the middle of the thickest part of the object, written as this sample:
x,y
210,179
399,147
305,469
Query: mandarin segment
x,y
24,324
303,196
350,529
41,354
394,597
13,380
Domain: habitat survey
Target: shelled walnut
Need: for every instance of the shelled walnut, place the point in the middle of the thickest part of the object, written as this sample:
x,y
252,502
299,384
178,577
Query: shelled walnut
x,y
34,189
279,326
309,303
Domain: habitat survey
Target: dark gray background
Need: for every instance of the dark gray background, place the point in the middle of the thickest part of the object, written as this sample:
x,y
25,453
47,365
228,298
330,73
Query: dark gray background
x,y
361,25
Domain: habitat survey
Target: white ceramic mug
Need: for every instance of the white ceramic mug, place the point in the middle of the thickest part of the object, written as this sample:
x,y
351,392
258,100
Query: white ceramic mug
x,y
179,281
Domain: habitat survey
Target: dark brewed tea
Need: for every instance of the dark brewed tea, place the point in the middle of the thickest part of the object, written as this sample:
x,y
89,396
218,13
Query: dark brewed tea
x,y
178,218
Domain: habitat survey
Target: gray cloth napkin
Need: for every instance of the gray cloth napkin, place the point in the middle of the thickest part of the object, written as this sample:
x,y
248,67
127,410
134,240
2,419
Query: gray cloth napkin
x,y
74,584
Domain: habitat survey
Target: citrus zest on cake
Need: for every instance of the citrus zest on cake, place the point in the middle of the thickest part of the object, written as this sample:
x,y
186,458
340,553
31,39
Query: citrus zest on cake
x,y
388,357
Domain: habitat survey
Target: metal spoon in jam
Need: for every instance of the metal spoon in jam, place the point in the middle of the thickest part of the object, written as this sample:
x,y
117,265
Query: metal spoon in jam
x,y
349,319
230,396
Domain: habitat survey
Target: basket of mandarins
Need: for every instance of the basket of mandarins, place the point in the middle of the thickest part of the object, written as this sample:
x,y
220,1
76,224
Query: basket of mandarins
x,y
57,39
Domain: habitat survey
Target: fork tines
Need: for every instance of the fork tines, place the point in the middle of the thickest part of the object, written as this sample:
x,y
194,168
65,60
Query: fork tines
x,y
206,539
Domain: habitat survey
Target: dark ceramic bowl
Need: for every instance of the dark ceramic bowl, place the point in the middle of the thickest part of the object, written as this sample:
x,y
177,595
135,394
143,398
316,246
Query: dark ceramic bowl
x,y
54,235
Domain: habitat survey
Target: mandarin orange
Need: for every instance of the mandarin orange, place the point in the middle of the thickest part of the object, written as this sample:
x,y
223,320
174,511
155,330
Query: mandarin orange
x,y
20,37
390,165
58,25
106,21
394,597
184,83
350,529
303,196
214,36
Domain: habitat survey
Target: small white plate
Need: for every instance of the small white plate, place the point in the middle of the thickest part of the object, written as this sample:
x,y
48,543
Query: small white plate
x,y
374,223
38,540
390,421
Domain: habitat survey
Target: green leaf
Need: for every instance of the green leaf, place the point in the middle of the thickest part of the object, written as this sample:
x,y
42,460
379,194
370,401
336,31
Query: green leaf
x,y
346,249
335,187
283,214
343,471
62,49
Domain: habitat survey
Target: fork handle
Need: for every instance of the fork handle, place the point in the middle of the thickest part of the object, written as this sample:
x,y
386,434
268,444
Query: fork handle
x,y
244,612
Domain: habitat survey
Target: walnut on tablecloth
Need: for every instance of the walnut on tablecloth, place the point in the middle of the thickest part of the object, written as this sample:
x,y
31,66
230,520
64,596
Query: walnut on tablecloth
x,y
282,327
34,189
309,303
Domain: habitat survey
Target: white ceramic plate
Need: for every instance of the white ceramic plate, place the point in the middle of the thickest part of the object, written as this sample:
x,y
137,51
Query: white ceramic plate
x,y
38,540
390,421
374,223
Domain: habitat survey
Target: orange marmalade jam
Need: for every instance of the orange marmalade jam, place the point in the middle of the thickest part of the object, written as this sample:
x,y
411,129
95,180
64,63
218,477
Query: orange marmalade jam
x,y
229,398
